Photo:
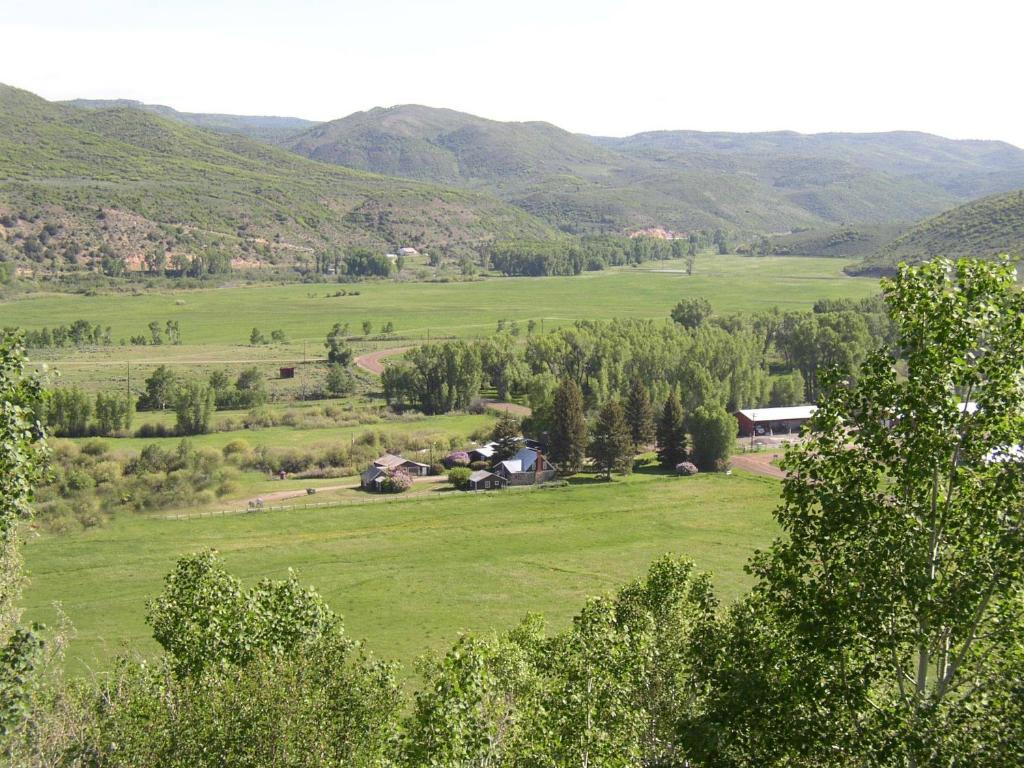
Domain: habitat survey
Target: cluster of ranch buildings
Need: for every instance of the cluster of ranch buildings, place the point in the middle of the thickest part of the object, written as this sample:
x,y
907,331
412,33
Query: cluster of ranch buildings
x,y
528,466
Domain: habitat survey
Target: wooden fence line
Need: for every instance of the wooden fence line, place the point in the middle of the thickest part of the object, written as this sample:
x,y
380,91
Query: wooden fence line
x,y
378,499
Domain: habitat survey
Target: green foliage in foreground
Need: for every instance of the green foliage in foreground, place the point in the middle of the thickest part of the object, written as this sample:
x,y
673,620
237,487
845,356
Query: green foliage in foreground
x,y
886,622
22,456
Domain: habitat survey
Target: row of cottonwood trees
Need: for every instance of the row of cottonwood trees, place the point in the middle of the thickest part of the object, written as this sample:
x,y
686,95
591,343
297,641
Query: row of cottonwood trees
x,y
736,361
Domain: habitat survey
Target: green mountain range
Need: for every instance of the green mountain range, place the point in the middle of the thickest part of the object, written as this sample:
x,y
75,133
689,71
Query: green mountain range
x,y
984,229
680,180
263,127
963,168
123,172
122,177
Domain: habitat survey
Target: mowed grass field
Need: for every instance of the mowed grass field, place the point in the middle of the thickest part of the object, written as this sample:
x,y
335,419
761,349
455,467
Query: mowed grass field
x,y
410,574
225,316
216,323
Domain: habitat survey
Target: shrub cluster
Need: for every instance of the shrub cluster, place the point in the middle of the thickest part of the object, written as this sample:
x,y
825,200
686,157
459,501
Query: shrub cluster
x,y
459,477
396,481
456,459
89,484
71,412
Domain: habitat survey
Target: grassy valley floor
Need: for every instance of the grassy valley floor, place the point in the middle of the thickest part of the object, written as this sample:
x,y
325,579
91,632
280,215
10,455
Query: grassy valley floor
x,y
410,574
225,316
216,323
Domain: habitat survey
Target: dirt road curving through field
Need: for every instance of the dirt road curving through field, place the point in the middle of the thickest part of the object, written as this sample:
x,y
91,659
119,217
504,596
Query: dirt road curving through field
x,y
374,361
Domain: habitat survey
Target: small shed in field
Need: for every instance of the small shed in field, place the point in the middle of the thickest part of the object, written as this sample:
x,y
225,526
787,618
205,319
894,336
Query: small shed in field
x,y
371,479
392,462
287,373
482,480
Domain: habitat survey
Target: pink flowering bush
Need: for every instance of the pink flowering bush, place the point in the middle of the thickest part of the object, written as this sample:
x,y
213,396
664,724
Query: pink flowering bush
x,y
398,481
456,459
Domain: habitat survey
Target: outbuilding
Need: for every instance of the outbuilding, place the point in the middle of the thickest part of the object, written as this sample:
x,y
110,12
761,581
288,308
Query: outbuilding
x,y
484,453
372,479
391,462
773,421
482,480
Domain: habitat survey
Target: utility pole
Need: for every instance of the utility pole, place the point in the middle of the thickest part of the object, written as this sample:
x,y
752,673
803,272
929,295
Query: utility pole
x,y
129,379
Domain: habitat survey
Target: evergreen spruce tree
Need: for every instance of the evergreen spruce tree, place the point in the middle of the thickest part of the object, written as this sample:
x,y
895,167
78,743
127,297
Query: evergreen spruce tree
x,y
671,433
612,444
639,414
507,432
568,441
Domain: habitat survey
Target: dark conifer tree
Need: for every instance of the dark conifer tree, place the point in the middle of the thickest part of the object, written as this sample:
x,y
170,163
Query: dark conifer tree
x,y
671,433
507,433
612,445
639,414
568,439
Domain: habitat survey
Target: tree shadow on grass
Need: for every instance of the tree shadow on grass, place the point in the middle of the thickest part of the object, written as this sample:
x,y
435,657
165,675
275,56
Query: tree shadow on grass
x,y
586,480
653,469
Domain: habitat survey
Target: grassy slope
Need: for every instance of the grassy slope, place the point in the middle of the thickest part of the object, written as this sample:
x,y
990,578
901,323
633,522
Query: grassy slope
x,y
409,575
561,177
992,226
842,242
75,161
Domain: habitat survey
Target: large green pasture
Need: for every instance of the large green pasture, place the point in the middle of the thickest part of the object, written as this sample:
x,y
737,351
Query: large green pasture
x,y
408,575
223,317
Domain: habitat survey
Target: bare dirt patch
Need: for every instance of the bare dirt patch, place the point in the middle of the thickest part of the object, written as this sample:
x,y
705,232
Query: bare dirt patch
x,y
759,463
374,361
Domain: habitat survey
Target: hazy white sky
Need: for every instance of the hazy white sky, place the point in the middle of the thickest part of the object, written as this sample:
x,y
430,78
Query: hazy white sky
x,y
596,66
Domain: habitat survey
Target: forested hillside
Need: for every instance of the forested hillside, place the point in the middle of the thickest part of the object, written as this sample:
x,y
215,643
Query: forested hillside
x,y
557,176
683,180
966,169
122,183
749,184
986,228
